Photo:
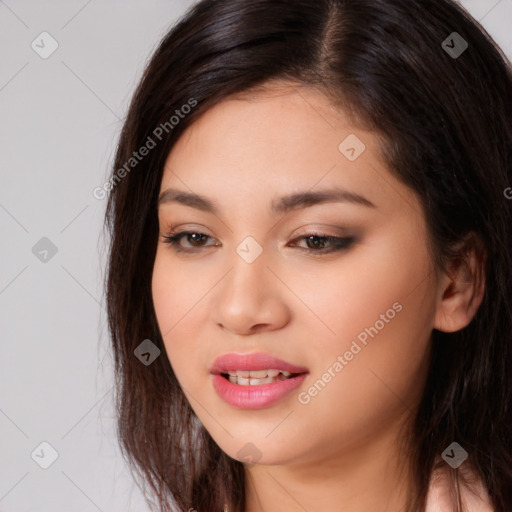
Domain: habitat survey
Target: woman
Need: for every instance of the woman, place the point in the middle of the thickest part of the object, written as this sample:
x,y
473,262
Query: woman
x,y
309,287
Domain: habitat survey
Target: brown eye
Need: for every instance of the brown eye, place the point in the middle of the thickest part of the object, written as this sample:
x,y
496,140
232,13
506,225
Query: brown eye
x,y
324,243
194,238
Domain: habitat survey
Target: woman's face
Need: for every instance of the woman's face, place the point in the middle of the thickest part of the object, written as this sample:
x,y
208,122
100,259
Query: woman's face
x,y
351,315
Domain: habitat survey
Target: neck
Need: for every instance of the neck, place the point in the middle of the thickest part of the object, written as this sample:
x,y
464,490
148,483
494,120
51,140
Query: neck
x,y
370,476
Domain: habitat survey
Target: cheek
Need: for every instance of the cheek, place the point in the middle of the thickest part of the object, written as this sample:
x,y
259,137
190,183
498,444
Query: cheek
x,y
351,294
176,292
381,312
180,300
172,301
165,291
376,307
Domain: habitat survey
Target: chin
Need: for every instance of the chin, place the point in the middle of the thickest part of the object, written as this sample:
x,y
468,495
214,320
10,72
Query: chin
x,y
258,453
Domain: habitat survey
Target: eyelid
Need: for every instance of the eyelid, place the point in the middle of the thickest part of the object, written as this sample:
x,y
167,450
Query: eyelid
x,y
174,237
337,243
324,230
303,231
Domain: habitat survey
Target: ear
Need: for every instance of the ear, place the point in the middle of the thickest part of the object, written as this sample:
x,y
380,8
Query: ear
x,y
461,288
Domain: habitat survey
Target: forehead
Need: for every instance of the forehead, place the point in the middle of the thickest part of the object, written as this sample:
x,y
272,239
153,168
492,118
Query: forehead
x,y
275,141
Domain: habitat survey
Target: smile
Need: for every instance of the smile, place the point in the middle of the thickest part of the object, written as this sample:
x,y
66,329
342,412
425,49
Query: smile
x,y
255,381
256,377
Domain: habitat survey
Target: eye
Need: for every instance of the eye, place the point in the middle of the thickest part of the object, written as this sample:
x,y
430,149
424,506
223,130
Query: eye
x,y
320,243
315,243
196,239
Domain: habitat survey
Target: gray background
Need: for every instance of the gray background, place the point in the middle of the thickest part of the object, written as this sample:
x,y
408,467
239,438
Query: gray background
x,y
59,121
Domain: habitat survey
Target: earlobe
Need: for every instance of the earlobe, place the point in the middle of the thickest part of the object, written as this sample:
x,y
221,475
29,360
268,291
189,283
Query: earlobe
x,y
461,291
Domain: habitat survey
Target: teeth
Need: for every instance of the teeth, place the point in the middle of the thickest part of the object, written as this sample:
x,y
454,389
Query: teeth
x,y
257,374
256,377
267,380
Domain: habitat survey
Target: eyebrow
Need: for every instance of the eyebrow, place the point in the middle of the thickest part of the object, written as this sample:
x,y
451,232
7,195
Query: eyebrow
x,y
278,206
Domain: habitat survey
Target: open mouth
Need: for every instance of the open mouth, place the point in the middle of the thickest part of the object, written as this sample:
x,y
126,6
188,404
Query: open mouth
x,y
256,380
257,377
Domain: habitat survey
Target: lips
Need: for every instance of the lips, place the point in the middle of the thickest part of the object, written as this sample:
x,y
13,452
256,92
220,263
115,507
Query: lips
x,y
259,361
254,394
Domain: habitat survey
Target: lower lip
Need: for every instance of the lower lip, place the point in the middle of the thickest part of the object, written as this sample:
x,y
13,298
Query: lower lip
x,y
255,397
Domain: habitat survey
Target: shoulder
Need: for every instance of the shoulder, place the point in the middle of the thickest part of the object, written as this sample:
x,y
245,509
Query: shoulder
x,y
442,496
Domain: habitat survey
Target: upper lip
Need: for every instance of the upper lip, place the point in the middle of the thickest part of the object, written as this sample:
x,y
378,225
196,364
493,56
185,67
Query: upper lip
x,y
257,361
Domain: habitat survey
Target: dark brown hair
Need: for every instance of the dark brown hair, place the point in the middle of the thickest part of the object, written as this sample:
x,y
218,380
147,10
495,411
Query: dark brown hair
x,y
446,123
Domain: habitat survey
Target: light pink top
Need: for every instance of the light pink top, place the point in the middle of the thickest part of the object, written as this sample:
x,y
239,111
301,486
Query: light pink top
x,y
441,496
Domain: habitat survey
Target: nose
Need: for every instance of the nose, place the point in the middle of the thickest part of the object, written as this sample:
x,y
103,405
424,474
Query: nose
x,y
251,298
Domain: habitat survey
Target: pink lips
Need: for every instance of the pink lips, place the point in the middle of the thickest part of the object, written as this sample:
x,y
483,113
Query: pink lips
x,y
259,396
258,361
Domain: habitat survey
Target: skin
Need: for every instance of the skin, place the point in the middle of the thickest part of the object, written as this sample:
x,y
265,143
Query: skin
x,y
339,452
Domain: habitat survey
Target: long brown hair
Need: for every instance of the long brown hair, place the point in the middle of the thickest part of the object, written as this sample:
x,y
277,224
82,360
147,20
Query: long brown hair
x,y
444,111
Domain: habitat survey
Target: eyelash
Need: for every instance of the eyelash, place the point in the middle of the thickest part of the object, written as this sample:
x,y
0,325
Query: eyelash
x,y
339,243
